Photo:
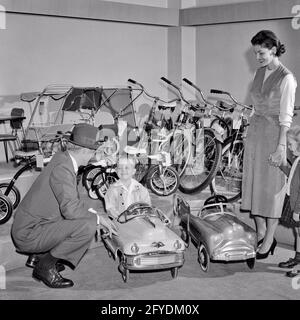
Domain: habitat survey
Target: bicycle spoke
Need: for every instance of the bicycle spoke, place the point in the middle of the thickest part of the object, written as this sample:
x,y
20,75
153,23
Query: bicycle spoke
x,y
228,180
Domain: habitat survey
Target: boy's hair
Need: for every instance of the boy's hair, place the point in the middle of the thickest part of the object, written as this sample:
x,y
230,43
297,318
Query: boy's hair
x,y
129,159
294,133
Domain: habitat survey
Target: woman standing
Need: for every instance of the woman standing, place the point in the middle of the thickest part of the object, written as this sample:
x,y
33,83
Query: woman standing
x,y
273,95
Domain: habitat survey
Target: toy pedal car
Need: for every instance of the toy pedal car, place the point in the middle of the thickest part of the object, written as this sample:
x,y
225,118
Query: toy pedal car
x,y
217,232
144,241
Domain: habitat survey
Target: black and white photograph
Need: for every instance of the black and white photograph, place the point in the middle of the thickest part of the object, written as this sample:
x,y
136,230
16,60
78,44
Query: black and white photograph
x,y
149,154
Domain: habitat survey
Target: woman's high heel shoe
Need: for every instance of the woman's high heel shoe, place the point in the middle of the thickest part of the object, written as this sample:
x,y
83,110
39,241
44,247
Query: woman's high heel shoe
x,y
260,256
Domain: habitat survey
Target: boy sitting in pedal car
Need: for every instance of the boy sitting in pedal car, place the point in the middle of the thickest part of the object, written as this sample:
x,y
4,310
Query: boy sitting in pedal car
x,y
125,191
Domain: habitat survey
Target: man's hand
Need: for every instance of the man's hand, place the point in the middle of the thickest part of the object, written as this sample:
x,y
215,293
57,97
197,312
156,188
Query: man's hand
x,y
107,223
296,216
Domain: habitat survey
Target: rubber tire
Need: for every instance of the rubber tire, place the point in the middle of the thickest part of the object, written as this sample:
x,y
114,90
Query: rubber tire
x,y
224,124
6,207
203,257
250,263
125,274
214,168
151,184
16,198
111,178
174,272
88,176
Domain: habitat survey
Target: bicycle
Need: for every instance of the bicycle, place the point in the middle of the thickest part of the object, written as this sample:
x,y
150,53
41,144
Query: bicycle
x,y
204,144
160,177
97,173
228,180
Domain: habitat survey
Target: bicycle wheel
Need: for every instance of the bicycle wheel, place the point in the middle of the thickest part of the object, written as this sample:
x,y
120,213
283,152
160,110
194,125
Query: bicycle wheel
x,y
141,169
162,182
225,124
6,209
228,180
14,194
102,182
88,176
179,147
203,163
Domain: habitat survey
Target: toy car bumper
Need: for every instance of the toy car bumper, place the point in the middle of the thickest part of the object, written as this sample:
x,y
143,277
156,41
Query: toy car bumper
x,y
234,255
152,261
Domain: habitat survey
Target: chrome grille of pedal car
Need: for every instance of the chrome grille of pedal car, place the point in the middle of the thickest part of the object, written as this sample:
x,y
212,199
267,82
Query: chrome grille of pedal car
x,y
234,250
158,259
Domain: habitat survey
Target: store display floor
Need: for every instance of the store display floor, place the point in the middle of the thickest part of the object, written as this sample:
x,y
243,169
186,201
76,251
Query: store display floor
x,y
97,275
97,278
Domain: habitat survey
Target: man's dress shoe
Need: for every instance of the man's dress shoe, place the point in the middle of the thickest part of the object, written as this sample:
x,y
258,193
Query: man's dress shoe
x,y
33,259
292,262
51,278
293,273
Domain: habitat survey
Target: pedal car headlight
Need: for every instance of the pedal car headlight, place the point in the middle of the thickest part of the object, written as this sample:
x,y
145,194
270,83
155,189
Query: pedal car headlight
x,y
177,244
217,238
135,248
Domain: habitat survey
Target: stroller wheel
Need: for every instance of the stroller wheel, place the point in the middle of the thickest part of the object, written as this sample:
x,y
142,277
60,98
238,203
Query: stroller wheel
x,y
14,194
6,209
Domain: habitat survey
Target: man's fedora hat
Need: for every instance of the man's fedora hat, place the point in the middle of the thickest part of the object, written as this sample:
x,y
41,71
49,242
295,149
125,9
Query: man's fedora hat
x,y
84,135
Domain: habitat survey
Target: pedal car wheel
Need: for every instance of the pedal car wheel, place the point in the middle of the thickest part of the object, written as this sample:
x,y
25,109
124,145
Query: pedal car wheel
x,y
6,209
14,194
124,273
250,263
203,257
174,272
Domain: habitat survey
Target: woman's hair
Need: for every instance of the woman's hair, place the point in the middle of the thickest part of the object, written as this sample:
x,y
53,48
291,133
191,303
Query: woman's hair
x,y
268,39
294,133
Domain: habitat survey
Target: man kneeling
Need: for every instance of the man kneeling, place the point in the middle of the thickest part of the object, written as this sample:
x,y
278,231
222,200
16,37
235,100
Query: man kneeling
x,y
52,222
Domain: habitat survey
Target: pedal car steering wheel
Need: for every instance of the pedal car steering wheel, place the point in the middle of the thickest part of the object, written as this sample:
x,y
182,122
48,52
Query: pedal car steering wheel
x,y
218,198
135,210
213,202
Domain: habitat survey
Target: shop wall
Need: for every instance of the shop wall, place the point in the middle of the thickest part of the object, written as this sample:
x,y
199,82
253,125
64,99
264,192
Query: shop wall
x,y
225,59
38,50
154,3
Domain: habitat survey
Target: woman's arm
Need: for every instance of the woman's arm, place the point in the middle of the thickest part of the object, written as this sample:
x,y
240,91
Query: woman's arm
x,y
287,89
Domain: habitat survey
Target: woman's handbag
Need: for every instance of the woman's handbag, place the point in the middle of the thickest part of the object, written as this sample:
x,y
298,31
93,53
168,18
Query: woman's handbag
x,y
286,218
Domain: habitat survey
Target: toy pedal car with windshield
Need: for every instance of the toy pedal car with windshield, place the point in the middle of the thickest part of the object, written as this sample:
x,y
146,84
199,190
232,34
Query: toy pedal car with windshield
x,y
144,241
216,232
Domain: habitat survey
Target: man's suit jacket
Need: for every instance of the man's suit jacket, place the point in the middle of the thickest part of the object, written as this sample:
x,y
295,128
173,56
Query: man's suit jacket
x,y
53,196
